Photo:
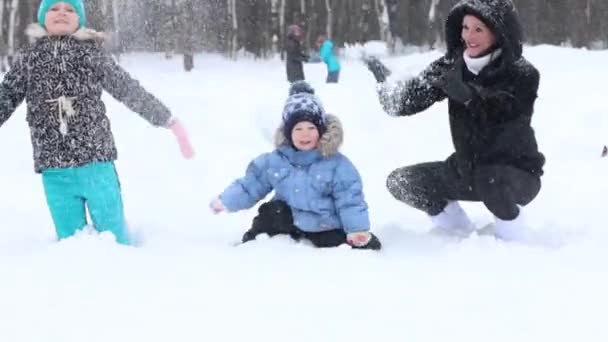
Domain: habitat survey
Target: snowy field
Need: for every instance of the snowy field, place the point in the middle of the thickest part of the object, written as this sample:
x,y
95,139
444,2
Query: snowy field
x,y
186,281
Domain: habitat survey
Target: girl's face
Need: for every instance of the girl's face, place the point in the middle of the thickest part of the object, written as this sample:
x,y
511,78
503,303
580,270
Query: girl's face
x,y
477,37
61,19
320,41
305,136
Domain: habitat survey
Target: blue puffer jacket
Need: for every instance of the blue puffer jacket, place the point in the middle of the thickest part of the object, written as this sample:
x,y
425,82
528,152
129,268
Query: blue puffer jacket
x,y
327,55
322,187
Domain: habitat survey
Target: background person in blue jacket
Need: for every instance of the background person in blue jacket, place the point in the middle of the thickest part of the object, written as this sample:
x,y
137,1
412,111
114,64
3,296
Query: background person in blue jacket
x,y
326,52
318,191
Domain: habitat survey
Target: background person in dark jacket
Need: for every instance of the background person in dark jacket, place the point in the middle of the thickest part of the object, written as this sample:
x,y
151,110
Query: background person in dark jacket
x,y
491,90
295,54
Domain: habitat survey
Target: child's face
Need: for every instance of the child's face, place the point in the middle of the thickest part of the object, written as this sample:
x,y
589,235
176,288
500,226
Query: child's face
x,y
305,136
61,19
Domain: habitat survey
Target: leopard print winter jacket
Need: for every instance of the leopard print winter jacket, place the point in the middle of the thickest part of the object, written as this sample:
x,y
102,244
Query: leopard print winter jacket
x,y
61,80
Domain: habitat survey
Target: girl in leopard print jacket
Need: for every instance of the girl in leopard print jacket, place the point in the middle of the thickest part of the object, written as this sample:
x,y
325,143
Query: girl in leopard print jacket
x,y
61,77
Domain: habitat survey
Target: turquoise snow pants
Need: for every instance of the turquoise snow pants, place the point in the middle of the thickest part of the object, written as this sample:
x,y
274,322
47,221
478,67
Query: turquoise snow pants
x,y
94,186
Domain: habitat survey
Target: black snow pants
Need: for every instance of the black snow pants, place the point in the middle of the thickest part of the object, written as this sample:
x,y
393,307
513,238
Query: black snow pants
x,y
429,187
275,218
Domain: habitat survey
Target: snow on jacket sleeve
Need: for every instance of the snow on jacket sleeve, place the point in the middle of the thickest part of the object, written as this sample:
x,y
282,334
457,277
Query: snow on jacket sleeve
x,y
245,192
349,199
12,90
414,95
129,91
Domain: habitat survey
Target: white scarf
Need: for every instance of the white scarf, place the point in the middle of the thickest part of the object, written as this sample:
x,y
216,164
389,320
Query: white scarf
x,y
476,64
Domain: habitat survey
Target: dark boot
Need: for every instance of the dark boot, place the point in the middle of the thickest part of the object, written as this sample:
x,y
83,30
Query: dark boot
x,y
330,238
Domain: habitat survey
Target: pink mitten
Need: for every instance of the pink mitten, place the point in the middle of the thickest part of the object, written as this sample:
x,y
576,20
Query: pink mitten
x,y
182,138
358,239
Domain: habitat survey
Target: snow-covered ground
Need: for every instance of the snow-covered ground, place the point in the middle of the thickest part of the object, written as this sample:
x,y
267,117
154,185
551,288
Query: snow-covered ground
x,y
186,281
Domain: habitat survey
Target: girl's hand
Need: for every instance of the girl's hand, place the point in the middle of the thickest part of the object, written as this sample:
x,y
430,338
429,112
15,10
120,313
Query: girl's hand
x,y
182,138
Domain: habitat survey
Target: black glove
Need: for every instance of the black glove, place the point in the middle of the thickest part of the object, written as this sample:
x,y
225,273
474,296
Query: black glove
x,y
380,71
453,85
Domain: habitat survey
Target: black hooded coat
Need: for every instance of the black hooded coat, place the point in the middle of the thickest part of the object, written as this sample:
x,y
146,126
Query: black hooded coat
x,y
494,128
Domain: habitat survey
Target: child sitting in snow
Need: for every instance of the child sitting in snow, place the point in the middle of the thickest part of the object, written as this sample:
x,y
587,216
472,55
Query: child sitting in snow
x,y
61,76
318,191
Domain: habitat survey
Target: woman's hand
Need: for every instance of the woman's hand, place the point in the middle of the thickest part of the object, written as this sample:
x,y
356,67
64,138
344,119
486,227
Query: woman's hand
x,y
453,85
380,71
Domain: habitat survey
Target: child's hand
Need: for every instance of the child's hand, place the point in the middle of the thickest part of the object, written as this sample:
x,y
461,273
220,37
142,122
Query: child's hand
x,y
182,138
358,239
217,206
364,240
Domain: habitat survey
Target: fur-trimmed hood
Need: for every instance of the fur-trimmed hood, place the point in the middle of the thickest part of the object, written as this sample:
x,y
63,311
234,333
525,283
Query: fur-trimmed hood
x,y
329,143
34,31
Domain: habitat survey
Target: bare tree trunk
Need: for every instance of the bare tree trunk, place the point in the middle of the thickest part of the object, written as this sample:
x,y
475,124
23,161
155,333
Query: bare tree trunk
x,y
235,27
117,37
435,23
275,26
189,35
14,4
305,19
330,18
235,30
2,39
379,7
382,17
282,21
171,30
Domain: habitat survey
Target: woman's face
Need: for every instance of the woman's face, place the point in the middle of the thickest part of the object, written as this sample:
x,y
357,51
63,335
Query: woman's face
x,y
477,37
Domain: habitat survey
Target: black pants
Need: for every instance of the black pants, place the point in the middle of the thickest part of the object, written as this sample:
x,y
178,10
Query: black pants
x,y
429,187
333,77
275,218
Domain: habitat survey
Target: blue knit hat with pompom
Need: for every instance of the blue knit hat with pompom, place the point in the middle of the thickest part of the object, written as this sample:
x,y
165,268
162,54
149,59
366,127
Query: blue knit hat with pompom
x,y
303,105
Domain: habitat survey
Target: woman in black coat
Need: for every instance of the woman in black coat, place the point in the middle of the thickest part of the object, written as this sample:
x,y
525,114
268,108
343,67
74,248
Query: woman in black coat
x,y
295,55
491,90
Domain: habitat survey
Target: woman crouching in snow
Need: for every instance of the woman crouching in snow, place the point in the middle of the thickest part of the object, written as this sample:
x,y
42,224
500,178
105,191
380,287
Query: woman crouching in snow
x,y
491,90
318,191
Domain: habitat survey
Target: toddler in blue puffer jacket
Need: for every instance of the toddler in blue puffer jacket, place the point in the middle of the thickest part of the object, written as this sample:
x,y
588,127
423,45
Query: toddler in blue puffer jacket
x,y
318,191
